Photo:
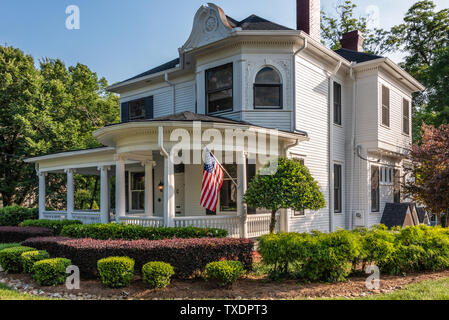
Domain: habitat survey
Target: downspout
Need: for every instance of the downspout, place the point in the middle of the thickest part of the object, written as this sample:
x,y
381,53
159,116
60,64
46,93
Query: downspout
x,y
351,181
304,46
174,91
331,148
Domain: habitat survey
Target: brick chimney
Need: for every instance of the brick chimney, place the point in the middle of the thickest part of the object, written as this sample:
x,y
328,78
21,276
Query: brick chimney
x,y
308,17
352,41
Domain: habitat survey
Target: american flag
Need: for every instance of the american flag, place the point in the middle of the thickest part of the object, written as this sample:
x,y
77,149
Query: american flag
x,y
212,181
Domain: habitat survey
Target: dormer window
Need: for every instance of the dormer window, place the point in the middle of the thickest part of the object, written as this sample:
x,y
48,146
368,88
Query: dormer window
x,y
219,89
137,110
268,89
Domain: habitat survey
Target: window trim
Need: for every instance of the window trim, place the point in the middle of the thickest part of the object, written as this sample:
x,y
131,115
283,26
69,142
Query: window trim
x,y
388,107
404,100
130,119
130,190
207,92
279,85
340,113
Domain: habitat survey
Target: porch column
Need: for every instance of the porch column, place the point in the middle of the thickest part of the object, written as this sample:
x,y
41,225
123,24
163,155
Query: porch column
x,y
42,195
169,192
149,187
241,190
70,194
104,194
120,195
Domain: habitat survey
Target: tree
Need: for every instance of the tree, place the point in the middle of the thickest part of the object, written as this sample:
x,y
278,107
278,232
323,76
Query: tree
x,y
291,187
46,110
424,37
430,170
377,41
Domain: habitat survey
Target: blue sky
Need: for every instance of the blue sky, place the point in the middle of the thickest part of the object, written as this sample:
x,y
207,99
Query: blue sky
x,y
119,39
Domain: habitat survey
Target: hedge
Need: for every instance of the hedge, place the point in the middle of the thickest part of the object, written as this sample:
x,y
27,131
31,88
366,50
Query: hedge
x,y
11,259
29,258
13,216
51,272
187,256
116,272
18,234
132,232
334,256
54,225
49,244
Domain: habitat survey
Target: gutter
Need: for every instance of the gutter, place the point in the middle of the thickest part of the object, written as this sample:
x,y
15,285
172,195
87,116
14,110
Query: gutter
x,y
353,129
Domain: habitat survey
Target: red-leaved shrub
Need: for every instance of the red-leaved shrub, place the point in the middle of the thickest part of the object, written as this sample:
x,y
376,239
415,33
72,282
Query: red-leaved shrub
x,y
187,256
19,234
49,244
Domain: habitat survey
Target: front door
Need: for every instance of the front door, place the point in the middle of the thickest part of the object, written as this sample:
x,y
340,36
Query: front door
x,y
179,194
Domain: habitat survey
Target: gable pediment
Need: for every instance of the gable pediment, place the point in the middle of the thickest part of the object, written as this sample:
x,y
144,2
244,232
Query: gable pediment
x,y
210,24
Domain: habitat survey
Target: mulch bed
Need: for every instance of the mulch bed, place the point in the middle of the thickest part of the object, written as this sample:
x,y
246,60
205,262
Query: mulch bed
x,y
249,288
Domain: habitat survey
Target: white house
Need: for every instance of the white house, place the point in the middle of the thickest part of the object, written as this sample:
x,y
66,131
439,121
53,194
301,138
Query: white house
x,y
345,114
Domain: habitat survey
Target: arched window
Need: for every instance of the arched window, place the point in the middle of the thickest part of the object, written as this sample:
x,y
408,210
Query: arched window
x,y
268,89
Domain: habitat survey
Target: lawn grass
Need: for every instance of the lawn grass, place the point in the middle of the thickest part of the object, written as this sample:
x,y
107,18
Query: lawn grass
x,y
426,290
8,294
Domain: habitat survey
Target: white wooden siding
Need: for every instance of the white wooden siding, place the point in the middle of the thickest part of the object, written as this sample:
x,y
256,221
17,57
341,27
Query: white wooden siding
x,y
312,115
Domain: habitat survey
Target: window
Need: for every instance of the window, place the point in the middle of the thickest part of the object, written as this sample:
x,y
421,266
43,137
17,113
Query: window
x,y
385,106
397,186
219,84
137,191
137,109
375,195
406,117
337,103
228,192
337,188
268,89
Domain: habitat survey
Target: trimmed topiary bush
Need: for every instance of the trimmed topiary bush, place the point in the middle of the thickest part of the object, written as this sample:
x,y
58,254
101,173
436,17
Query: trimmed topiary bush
x,y
19,234
12,216
54,225
225,273
187,256
51,272
30,257
157,274
11,258
114,231
116,272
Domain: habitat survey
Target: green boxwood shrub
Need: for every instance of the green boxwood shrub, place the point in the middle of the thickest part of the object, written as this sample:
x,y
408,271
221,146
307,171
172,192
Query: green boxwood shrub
x,y
114,231
12,216
157,274
11,260
225,273
51,272
54,225
30,257
116,272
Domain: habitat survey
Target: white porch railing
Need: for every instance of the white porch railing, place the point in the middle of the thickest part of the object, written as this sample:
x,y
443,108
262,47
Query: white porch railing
x,y
154,222
230,223
259,224
91,217
86,217
54,215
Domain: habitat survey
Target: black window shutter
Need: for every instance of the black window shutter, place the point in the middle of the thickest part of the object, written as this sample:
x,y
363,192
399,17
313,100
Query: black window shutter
x,y
149,107
125,112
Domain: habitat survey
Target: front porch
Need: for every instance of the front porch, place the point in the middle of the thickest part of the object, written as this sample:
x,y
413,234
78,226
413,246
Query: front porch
x,y
150,189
